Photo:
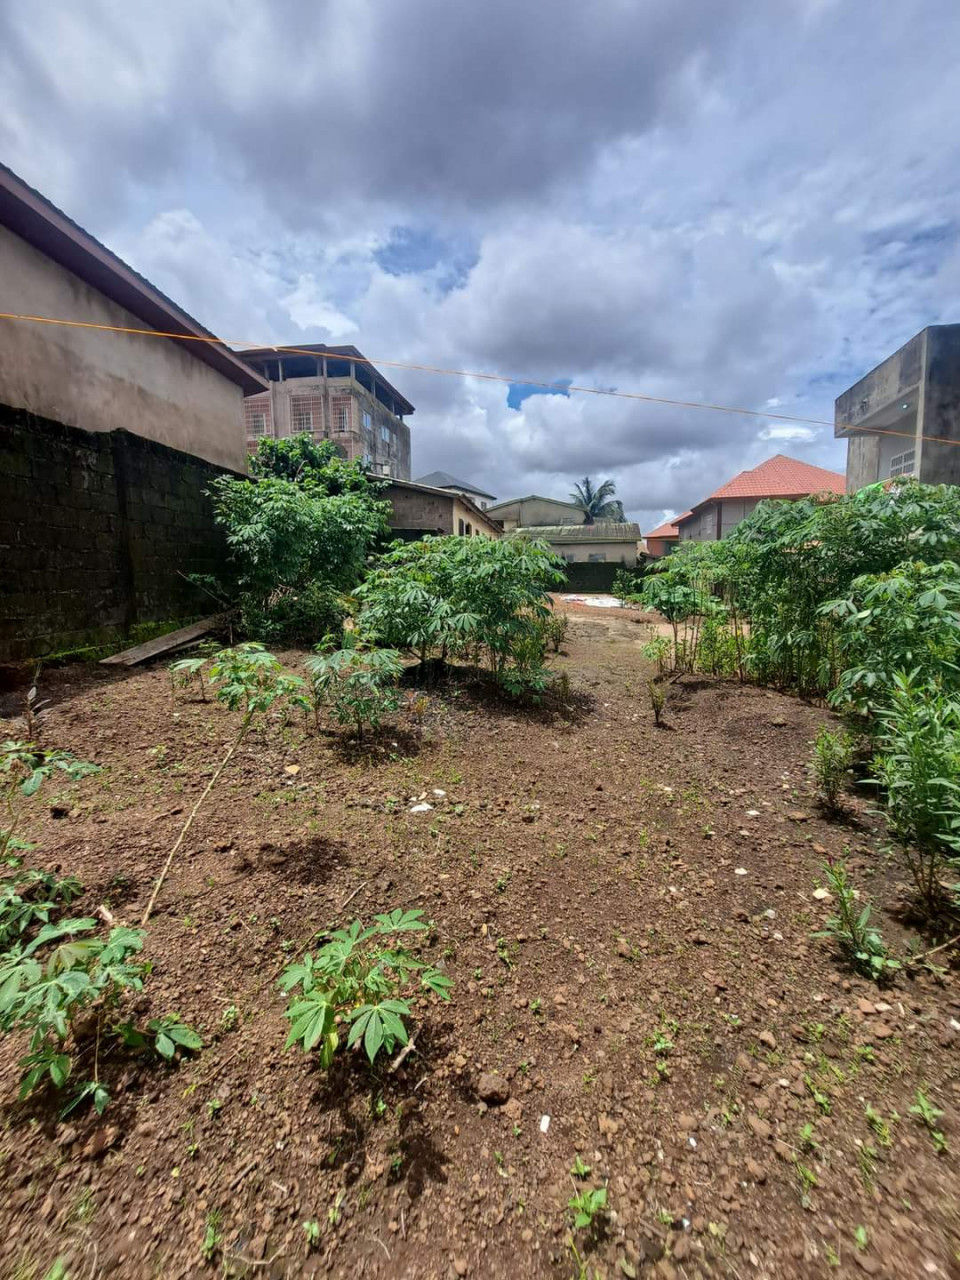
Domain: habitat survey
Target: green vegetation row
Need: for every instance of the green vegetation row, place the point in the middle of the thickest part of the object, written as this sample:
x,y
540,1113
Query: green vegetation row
x,y
855,600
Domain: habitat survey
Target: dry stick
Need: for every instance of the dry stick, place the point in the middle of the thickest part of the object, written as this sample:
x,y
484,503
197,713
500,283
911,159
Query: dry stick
x,y
189,822
933,950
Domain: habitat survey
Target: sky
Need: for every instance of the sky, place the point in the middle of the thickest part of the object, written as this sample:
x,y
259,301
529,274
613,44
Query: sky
x,y
716,200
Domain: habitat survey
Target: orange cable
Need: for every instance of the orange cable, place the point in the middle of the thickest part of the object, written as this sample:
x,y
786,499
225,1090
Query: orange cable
x,y
459,373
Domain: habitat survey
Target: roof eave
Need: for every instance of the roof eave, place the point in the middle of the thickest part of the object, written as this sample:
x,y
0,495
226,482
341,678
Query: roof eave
x,y
41,224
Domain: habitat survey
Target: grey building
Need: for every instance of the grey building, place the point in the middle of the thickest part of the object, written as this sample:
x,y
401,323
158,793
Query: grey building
x,y
903,418
332,393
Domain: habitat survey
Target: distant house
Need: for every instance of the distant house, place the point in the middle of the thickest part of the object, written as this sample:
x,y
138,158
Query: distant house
x,y
903,418
422,509
519,513
187,395
444,480
605,542
331,393
662,540
779,477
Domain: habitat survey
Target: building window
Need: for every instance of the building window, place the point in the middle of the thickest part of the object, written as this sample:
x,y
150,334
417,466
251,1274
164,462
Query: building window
x,y
340,413
483,506
367,420
570,559
902,464
306,414
469,529
461,529
597,557
386,435
257,418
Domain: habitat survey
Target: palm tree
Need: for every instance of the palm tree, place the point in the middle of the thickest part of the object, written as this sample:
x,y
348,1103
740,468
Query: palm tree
x,y
597,503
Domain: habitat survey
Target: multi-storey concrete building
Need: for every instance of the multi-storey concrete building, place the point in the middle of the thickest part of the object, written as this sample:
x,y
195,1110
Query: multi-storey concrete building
x,y
903,417
332,393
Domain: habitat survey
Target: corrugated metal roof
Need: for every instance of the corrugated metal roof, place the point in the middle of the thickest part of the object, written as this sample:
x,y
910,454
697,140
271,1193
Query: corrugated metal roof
x,y
602,531
444,480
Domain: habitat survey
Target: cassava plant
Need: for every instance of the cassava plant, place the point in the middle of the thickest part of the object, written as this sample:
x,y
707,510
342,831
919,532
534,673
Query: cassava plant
x,y
358,684
249,680
65,987
29,897
24,768
917,767
857,939
361,979
182,672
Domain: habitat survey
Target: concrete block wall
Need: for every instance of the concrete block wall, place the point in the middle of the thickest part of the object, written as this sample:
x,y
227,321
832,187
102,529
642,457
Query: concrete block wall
x,y
94,527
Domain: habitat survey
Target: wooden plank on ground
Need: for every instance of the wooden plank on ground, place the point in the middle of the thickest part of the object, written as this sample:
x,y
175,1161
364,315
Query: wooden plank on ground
x,y
162,644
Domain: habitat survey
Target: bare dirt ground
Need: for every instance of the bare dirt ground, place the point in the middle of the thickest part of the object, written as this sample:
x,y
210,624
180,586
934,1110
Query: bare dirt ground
x,y
627,916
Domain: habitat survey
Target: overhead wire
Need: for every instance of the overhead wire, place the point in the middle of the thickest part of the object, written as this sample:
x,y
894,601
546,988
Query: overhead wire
x,y
512,379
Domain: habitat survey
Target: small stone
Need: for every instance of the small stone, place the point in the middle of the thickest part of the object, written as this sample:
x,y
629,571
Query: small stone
x,y
883,1031
866,1263
67,1136
798,815
493,1089
461,1266
759,1127
866,1006
768,1040
513,1109
687,1122
756,1172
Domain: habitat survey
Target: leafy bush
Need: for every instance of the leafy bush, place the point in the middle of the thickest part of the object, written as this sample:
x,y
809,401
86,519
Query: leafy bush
x,y
461,597
628,585
297,544
905,620
657,649
24,768
858,940
557,626
65,987
28,897
318,465
362,979
917,765
359,685
831,761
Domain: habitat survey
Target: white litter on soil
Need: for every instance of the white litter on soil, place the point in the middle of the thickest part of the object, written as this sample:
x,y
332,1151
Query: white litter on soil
x,y
597,602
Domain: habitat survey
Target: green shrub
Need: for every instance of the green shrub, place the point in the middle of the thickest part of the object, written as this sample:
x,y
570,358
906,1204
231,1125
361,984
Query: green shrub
x,y
831,761
359,685
361,978
905,620
67,977
24,768
628,585
296,546
557,626
858,940
460,597
917,767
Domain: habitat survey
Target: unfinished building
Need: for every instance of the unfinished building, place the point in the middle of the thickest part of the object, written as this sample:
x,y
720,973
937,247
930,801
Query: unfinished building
x,y
330,393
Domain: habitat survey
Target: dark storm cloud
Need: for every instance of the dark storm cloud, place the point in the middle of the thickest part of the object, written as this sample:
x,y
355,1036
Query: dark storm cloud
x,y
715,200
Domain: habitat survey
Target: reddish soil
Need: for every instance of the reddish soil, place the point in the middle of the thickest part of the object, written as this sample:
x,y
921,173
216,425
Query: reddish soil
x,y
627,916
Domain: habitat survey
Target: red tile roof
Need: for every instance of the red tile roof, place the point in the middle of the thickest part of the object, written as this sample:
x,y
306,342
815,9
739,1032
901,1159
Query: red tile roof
x,y
778,477
668,529
781,477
